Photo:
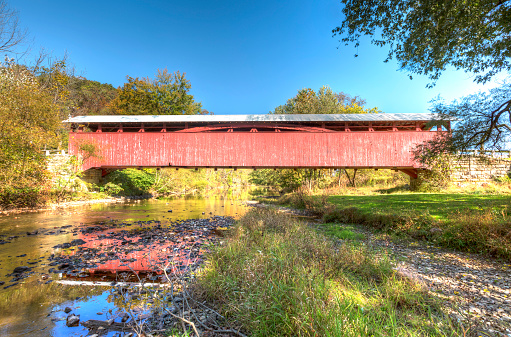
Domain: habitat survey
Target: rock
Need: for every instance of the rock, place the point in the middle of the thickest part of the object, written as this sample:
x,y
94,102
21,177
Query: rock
x,y
20,270
77,242
67,310
64,266
99,313
72,320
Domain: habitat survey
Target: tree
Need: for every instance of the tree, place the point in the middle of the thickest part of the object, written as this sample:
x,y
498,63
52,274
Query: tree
x,y
167,94
325,101
29,120
90,97
307,101
481,119
11,34
427,36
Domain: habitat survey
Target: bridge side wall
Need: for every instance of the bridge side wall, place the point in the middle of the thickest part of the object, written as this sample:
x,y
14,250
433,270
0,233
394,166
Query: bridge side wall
x,y
244,149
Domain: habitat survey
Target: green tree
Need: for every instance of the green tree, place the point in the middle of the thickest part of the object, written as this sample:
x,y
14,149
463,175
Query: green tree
x,y
426,37
166,94
325,101
481,120
307,101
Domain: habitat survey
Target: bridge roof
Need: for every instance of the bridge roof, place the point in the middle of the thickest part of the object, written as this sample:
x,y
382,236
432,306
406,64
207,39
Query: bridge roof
x,y
297,118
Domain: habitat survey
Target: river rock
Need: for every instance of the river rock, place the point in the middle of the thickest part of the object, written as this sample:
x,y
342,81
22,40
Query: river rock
x,y
72,320
20,270
77,242
67,310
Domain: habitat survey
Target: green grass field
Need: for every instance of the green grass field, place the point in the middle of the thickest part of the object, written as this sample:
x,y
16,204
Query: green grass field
x,y
439,206
473,222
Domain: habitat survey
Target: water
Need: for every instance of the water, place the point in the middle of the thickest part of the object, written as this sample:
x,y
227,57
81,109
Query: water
x,y
32,309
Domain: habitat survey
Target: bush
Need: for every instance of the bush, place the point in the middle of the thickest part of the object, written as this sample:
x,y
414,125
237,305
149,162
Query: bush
x,y
23,197
131,181
112,189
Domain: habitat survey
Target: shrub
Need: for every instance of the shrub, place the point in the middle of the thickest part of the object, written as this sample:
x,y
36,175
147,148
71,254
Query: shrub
x,y
112,189
23,197
132,181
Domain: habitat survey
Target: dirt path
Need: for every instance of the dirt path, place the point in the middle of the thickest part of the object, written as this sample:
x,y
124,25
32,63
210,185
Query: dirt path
x,y
476,290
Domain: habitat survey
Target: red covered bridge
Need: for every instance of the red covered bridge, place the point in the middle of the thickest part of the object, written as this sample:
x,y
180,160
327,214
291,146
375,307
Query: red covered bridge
x,y
253,141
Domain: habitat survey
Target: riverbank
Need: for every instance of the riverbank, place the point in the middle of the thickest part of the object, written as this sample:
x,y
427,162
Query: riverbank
x,y
473,288
469,222
276,275
69,204
98,247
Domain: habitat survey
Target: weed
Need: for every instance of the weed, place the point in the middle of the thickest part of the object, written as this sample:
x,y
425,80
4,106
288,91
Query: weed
x,y
276,276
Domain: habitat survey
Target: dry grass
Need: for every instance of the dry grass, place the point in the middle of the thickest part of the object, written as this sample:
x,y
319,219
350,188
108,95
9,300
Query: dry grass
x,y
275,276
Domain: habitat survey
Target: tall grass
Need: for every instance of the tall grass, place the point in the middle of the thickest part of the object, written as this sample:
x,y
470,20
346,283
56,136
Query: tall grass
x,y
276,276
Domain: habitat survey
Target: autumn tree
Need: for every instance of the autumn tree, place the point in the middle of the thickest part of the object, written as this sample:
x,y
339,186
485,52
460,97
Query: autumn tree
x,y
166,94
307,101
325,101
90,97
428,36
29,120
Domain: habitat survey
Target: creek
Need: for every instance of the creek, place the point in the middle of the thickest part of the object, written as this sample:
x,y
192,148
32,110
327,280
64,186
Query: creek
x,y
93,243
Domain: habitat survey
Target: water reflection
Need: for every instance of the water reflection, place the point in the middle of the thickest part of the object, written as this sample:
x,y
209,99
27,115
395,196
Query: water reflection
x,y
53,228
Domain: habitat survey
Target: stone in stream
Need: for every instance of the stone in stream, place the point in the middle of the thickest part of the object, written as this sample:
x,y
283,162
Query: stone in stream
x,y
77,242
20,270
67,310
72,320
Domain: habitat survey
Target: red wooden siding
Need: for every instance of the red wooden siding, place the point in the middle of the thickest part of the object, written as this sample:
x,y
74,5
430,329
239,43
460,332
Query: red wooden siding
x,y
258,149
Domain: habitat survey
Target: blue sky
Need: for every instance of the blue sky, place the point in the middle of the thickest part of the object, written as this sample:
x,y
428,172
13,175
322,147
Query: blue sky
x,y
241,57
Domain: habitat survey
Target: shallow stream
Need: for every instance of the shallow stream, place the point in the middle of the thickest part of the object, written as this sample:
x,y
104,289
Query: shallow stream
x,y
33,303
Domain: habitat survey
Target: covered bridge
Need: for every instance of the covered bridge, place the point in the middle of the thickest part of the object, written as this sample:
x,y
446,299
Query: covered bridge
x,y
253,141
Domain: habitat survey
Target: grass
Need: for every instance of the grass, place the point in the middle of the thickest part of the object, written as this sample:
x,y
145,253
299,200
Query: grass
x,y
277,276
471,222
333,230
438,205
